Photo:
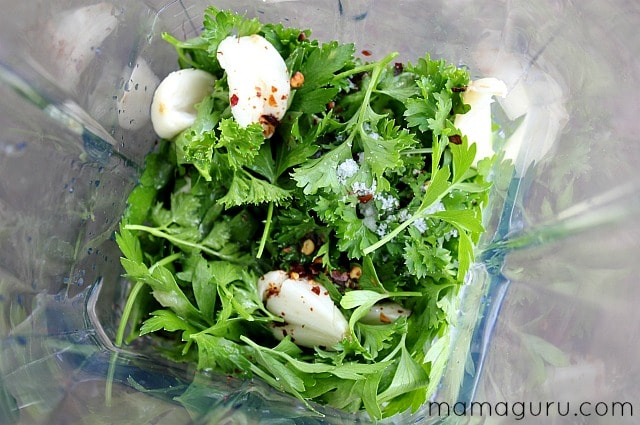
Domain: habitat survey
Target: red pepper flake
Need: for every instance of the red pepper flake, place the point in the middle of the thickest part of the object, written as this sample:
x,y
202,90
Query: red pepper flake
x,y
272,290
338,276
365,198
272,101
455,139
384,318
234,100
298,269
366,52
302,36
398,68
269,124
458,89
315,290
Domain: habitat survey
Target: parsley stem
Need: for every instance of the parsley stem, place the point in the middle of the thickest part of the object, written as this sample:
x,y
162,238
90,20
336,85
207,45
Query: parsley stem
x,y
395,232
177,241
131,299
266,231
166,260
417,151
375,77
364,68
111,372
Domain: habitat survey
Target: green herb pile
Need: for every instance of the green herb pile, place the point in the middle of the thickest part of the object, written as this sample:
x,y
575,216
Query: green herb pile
x,y
366,168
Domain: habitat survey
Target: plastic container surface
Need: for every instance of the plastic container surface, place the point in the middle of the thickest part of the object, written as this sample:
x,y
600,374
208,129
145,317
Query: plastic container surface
x,y
549,313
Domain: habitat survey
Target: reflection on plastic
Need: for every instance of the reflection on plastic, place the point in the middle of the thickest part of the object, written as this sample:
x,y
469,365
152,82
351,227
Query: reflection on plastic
x,y
558,281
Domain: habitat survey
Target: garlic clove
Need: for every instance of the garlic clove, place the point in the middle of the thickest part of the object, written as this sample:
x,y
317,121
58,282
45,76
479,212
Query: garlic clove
x,y
259,85
310,316
271,283
476,123
305,336
385,313
173,106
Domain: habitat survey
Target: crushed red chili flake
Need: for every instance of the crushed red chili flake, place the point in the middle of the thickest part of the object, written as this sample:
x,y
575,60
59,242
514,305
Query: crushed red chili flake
x,y
338,276
398,68
272,290
458,89
315,269
315,289
269,123
365,198
455,139
234,100
298,269
366,52
269,119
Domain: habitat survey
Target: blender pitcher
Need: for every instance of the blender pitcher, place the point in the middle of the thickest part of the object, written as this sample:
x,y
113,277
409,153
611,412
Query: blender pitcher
x,y
547,316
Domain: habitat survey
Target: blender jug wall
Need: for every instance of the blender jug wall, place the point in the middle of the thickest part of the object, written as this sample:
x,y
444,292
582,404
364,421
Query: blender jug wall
x,y
550,315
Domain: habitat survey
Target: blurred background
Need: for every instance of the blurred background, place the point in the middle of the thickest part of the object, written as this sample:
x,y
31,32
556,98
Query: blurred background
x,y
550,314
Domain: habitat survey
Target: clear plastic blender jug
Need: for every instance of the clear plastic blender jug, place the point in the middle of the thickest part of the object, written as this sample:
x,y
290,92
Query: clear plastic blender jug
x,y
549,315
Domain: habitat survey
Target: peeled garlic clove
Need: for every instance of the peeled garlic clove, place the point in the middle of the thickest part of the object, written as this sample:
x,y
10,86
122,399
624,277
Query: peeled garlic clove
x,y
259,86
173,106
310,316
271,283
384,313
476,123
304,336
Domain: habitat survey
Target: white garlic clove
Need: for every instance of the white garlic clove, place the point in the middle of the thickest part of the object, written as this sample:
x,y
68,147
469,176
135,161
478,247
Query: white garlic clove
x,y
310,316
259,86
385,313
271,283
476,123
173,107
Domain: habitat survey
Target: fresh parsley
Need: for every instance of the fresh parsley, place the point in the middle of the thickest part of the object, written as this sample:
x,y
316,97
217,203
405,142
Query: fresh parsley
x,y
362,166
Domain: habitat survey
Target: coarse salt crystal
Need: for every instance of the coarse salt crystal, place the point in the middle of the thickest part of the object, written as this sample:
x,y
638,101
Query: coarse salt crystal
x,y
388,202
346,169
421,225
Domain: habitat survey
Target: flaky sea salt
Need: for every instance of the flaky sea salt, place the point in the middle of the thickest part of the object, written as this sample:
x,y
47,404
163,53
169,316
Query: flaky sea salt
x,y
387,202
381,230
361,189
437,207
420,224
345,170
